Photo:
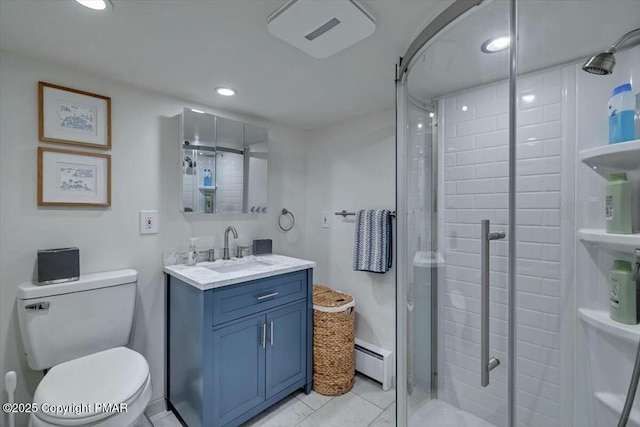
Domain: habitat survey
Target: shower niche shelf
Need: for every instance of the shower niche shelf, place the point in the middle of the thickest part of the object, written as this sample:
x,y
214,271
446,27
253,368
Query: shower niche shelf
x,y
600,320
615,403
624,156
621,242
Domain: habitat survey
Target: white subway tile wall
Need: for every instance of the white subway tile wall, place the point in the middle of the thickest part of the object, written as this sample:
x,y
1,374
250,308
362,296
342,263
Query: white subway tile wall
x,y
188,191
229,182
475,188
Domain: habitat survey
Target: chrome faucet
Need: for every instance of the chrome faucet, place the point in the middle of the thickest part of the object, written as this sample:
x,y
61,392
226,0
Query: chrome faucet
x,y
225,254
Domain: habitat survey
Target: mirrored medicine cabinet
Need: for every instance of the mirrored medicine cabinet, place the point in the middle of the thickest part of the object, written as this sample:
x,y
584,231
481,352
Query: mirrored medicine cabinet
x,y
224,165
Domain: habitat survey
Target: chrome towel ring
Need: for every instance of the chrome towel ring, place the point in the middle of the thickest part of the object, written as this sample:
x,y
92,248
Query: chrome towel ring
x,y
286,212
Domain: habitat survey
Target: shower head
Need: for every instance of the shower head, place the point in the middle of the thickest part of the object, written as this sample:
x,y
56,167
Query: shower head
x,y
602,64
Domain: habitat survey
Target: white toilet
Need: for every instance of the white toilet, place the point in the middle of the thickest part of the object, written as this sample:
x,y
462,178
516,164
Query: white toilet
x,y
77,330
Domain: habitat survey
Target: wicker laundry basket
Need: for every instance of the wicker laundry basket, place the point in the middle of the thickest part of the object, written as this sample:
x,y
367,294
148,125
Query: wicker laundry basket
x,y
333,341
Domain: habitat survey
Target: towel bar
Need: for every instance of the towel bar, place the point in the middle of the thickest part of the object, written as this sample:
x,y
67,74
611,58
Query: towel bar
x,y
345,213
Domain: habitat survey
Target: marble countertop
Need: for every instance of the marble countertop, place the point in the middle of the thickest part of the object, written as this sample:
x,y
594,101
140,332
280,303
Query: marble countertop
x,y
209,275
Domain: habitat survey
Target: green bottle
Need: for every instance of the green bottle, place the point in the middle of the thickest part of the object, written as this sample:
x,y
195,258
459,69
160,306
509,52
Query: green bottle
x,y
618,204
623,297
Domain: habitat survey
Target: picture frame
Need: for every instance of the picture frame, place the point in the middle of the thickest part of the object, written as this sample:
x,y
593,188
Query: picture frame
x,y
73,178
74,117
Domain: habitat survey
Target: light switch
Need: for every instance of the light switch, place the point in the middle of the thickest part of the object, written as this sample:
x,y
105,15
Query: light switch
x,y
148,222
325,219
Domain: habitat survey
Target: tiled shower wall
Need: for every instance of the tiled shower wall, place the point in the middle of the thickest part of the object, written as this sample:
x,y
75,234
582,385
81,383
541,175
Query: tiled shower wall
x,y
188,190
475,154
229,182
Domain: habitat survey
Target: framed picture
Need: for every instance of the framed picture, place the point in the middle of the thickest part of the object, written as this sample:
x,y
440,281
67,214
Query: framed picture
x,y
70,116
73,178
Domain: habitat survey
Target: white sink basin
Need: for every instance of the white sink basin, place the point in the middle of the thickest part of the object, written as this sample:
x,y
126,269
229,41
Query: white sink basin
x,y
245,266
208,275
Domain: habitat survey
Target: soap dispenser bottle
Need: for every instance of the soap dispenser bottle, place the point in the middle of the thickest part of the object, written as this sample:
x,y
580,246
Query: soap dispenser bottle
x,y
192,253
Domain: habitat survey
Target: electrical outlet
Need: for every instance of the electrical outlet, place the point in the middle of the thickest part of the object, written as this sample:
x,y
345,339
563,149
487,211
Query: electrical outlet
x,y
325,219
148,222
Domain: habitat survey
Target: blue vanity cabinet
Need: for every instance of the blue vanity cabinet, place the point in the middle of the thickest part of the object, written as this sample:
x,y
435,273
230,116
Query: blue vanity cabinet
x,y
236,350
256,358
286,353
238,368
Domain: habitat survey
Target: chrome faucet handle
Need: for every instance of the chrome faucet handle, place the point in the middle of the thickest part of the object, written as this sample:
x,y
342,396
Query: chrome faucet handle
x,y
206,255
239,251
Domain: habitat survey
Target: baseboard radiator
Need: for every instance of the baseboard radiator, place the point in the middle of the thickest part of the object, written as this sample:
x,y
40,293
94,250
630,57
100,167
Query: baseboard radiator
x,y
374,362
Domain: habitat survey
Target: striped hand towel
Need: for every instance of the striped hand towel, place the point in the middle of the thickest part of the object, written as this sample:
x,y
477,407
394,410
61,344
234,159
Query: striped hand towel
x,y
372,243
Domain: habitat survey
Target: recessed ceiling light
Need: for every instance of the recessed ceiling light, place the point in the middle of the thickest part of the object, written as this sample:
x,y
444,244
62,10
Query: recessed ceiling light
x,y
225,91
495,44
96,4
419,125
431,114
465,108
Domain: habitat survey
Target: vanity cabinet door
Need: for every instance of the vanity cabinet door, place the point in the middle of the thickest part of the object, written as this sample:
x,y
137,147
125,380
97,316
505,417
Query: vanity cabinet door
x,y
238,368
286,347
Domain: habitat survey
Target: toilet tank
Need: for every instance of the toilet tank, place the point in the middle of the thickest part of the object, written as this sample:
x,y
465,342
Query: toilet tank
x,y
64,321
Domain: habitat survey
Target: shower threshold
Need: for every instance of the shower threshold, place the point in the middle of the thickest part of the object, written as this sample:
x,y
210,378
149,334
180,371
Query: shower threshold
x,y
436,413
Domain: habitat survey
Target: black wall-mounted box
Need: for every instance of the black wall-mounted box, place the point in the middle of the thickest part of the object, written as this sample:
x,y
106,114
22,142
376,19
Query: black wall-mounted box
x,y
262,246
58,265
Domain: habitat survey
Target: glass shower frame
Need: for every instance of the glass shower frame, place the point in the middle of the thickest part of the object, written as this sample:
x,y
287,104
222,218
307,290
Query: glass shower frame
x,y
404,291
570,367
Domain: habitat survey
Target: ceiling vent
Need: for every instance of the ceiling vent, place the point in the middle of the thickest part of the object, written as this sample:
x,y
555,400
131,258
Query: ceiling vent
x,y
321,28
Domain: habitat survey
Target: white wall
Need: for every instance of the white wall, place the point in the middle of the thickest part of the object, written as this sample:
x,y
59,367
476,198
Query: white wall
x,y
146,174
351,167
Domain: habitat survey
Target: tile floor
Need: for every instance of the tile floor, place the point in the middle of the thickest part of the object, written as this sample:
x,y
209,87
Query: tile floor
x,y
365,405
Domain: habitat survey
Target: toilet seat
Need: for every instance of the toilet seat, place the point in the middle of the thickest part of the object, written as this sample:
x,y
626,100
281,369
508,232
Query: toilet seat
x,y
114,376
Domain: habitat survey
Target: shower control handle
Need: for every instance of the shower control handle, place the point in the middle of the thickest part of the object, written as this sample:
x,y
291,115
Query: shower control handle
x,y
487,364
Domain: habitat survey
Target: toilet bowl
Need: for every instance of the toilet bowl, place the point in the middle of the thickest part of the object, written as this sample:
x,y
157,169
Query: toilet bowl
x,y
77,332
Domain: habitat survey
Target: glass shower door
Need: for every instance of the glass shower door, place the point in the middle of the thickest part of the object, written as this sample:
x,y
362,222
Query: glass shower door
x,y
421,312
453,202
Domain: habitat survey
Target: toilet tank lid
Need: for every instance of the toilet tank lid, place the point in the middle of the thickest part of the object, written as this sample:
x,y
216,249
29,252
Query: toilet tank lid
x,y
86,282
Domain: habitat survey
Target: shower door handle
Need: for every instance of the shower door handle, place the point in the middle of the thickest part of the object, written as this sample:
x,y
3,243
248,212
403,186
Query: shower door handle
x,y
487,364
